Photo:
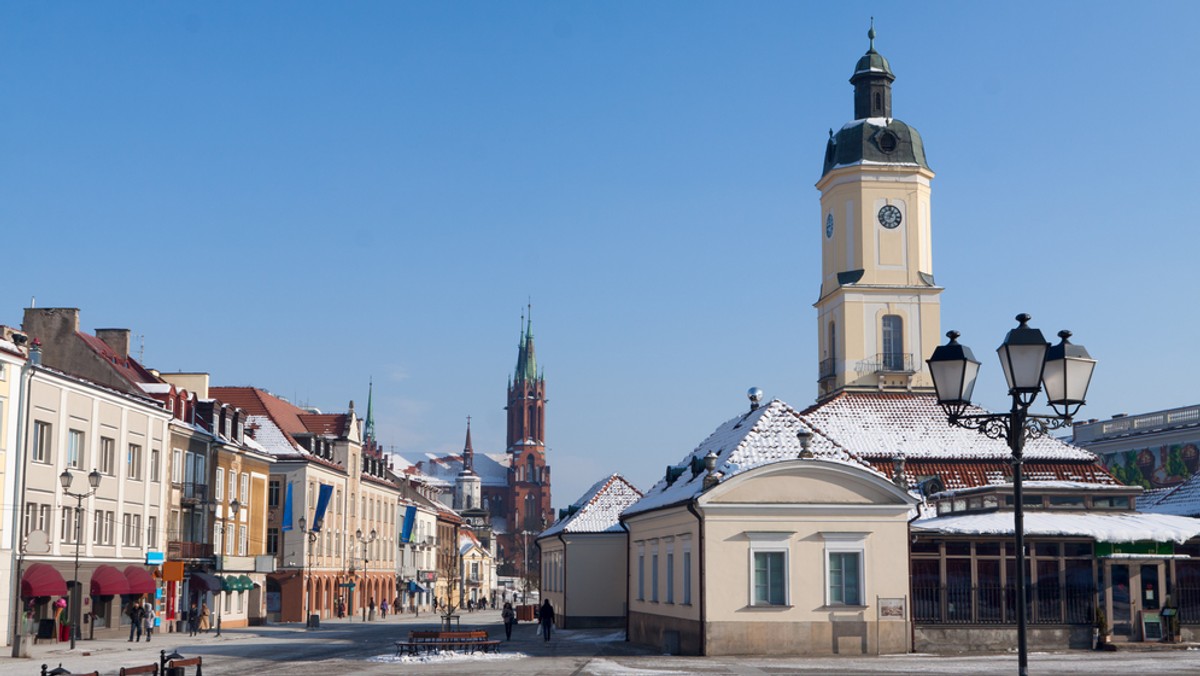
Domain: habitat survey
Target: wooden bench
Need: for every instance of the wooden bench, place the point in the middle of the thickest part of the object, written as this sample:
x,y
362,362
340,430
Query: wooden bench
x,y
44,672
191,662
143,669
430,641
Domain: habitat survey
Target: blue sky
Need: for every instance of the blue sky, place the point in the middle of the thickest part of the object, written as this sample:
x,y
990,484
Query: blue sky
x,y
303,196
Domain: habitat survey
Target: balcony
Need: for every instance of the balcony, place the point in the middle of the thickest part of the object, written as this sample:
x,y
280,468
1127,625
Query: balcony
x,y
828,369
179,550
193,493
889,362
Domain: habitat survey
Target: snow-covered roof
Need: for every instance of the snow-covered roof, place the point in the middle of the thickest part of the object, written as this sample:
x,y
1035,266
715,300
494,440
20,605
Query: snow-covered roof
x,y
1101,527
155,388
1038,485
883,425
599,509
269,437
759,437
492,468
1181,500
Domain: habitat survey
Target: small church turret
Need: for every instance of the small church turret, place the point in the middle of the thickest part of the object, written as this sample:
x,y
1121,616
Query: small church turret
x,y
467,486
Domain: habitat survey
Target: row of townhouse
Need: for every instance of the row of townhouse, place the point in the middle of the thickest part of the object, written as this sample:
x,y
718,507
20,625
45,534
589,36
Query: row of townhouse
x,y
124,484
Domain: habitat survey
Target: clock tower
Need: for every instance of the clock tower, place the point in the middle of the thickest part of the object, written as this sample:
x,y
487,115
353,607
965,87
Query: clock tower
x,y
878,314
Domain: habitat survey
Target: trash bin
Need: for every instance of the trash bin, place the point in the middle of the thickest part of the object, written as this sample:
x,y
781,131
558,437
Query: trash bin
x,y
314,621
175,671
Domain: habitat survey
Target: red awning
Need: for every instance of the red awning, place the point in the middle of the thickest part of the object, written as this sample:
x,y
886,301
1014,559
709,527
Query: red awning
x,y
41,579
108,581
140,581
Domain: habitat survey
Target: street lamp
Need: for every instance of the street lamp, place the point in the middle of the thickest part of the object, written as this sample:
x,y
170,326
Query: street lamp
x,y
93,481
1030,365
363,542
312,540
234,508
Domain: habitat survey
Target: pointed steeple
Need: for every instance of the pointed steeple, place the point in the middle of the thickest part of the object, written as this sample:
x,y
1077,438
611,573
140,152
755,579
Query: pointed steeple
x,y
369,424
526,358
468,452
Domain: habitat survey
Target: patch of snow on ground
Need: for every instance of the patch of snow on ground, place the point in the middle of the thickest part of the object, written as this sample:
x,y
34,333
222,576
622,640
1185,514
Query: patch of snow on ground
x,y
446,657
588,637
604,667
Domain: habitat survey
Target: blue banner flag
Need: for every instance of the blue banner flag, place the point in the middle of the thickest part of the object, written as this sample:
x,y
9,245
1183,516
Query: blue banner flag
x,y
287,509
323,497
410,519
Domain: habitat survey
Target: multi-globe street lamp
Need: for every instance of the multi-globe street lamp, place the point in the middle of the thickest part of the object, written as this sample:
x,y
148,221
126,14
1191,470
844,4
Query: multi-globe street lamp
x,y
362,543
312,540
77,600
234,508
1030,365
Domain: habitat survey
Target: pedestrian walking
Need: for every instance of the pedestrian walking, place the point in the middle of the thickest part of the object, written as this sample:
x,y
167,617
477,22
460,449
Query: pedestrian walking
x,y
510,618
372,608
193,620
383,606
546,617
148,619
204,618
136,615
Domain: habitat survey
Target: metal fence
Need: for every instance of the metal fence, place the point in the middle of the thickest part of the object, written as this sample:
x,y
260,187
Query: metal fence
x,y
996,604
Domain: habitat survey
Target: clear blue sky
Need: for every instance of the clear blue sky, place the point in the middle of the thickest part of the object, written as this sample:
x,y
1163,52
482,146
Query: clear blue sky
x,y
302,196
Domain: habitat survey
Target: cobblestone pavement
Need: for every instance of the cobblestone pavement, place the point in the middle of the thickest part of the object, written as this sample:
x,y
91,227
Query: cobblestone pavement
x,y
354,647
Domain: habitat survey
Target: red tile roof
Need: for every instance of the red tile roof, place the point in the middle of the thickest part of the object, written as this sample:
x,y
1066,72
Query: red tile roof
x,y
329,424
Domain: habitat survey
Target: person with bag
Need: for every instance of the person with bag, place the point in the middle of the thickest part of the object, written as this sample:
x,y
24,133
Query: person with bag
x,y
148,619
510,618
546,617
204,618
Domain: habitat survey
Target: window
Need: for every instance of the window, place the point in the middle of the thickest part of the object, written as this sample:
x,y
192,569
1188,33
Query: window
x,y
670,575
41,441
245,492
36,517
844,568
654,574
154,464
127,529
108,456
152,532
687,576
769,568
135,462
219,485
893,343
233,485
230,542
98,527
70,525
272,540
218,539
273,493
74,448
176,466
242,540
641,573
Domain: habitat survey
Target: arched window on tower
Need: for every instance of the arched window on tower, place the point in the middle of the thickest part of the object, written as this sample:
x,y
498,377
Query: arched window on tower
x,y
531,473
878,103
531,512
893,343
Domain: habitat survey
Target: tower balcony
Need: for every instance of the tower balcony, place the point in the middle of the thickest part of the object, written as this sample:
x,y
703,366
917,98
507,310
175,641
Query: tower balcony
x,y
889,362
828,369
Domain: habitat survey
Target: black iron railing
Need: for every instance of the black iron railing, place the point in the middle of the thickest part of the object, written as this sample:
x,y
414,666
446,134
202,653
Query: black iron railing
x,y
828,369
996,604
889,362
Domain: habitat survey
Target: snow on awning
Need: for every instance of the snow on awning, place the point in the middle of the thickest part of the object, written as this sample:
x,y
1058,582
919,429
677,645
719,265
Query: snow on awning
x,y
1120,527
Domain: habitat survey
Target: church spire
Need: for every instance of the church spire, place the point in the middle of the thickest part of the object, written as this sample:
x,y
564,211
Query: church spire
x,y
369,424
468,452
872,82
526,358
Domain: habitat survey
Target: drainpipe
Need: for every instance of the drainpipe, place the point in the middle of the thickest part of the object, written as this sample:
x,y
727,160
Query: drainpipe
x,y
912,625
19,649
628,574
691,506
564,579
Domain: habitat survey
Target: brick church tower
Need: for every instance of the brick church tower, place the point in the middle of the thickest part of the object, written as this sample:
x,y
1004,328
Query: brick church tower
x,y
528,474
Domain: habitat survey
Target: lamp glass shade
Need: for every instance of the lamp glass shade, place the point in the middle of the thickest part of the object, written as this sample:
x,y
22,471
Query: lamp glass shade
x,y
374,534
1067,375
65,479
303,523
954,369
1022,356
358,534
94,478
235,506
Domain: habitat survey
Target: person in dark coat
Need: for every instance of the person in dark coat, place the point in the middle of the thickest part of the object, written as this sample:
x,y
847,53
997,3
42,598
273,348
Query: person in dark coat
x,y
137,615
546,617
510,618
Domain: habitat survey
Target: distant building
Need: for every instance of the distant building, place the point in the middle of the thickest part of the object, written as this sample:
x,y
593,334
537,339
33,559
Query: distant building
x,y
585,557
1159,451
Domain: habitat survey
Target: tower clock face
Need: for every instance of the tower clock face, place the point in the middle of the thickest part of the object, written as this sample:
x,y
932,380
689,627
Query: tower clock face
x,y
829,226
889,217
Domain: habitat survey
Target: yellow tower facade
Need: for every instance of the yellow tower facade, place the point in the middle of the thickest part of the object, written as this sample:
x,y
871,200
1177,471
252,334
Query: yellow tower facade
x,y
879,314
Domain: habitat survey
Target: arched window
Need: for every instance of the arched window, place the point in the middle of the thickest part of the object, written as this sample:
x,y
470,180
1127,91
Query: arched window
x,y
530,469
878,102
893,343
832,344
531,513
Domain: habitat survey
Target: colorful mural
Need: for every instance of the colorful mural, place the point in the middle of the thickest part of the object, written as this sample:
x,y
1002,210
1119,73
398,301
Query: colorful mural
x,y
1162,467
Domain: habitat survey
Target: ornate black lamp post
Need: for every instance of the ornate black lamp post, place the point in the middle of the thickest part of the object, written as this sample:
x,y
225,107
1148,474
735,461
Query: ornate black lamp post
x,y
93,481
1030,364
362,543
312,540
234,508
